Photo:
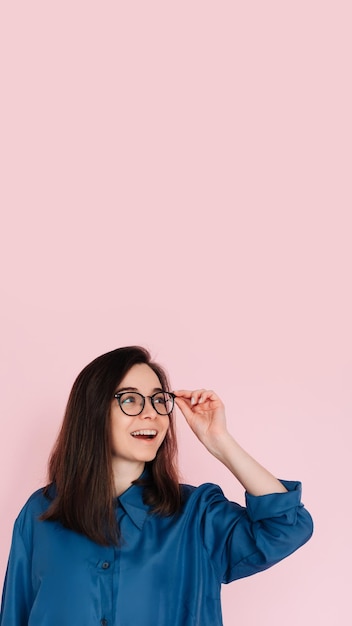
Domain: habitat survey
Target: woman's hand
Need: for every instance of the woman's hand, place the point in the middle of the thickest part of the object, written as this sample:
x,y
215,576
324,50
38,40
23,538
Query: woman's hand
x,y
205,414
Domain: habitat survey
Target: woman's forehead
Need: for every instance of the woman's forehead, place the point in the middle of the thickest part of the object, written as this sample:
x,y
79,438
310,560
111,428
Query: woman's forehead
x,y
140,375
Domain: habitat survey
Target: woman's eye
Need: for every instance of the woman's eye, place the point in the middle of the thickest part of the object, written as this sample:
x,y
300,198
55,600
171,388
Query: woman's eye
x,y
159,400
128,400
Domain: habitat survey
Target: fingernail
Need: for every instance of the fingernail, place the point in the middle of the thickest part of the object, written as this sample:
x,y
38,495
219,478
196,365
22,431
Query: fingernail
x,y
192,400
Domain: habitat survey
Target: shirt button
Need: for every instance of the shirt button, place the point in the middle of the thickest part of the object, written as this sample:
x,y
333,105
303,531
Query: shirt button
x,y
106,565
104,622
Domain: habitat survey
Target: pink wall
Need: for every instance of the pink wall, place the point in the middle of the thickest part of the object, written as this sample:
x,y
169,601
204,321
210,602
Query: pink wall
x,y
178,175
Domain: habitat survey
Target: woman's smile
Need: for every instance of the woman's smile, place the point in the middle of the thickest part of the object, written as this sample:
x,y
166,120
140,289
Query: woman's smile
x,y
145,435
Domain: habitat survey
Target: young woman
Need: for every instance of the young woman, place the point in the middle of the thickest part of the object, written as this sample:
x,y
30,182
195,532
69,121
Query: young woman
x,y
114,539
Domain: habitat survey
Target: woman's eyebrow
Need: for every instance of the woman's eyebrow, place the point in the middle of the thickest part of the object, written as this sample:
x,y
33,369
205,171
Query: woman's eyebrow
x,y
156,389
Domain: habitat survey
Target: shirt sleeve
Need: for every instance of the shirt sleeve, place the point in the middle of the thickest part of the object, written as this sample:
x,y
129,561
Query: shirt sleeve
x,y
241,541
16,596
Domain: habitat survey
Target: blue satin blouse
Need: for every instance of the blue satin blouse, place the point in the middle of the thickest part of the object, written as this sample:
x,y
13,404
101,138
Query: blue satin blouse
x,y
168,571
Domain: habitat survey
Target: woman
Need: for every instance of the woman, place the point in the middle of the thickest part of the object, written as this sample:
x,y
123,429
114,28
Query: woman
x,y
114,539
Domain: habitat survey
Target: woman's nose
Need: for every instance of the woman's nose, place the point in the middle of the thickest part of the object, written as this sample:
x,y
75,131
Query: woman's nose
x,y
148,410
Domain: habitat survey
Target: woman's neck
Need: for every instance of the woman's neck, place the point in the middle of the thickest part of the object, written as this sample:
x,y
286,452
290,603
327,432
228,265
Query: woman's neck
x,y
125,473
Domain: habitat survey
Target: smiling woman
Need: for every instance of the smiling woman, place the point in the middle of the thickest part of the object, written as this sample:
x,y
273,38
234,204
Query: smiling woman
x,y
114,518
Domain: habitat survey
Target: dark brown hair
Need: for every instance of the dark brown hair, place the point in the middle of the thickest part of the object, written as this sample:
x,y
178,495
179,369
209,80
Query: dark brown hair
x,y
80,466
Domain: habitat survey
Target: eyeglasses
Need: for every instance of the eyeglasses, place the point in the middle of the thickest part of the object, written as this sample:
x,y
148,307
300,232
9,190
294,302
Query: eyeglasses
x,y
132,403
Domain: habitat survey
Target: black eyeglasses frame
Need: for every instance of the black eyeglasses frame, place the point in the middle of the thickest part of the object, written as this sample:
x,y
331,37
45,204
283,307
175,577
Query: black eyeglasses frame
x,y
151,398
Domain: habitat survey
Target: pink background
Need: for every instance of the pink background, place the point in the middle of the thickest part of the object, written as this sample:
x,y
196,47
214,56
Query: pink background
x,y
179,175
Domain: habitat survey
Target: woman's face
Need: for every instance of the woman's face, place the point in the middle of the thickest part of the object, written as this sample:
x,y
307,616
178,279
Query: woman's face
x,y
136,439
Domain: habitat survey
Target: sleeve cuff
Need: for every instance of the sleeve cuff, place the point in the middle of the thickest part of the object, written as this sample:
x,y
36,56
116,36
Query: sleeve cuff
x,y
275,504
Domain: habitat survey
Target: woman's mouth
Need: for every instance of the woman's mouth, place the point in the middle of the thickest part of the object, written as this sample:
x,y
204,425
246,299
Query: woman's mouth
x,y
144,434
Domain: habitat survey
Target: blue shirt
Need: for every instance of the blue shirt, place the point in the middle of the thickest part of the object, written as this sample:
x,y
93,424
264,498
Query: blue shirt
x,y
168,571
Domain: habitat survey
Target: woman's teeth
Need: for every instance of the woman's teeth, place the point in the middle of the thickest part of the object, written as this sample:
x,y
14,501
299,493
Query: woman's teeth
x,y
144,433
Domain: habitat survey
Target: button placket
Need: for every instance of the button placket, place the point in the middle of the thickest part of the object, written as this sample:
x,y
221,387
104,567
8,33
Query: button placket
x,y
105,570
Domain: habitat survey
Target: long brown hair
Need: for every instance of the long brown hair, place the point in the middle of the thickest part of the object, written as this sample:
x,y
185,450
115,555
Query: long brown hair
x,y
80,466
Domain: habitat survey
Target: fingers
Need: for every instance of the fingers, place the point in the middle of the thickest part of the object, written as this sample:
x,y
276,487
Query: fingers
x,y
197,396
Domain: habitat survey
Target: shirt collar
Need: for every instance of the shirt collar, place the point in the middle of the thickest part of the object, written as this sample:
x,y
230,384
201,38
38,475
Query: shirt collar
x,y
132,503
